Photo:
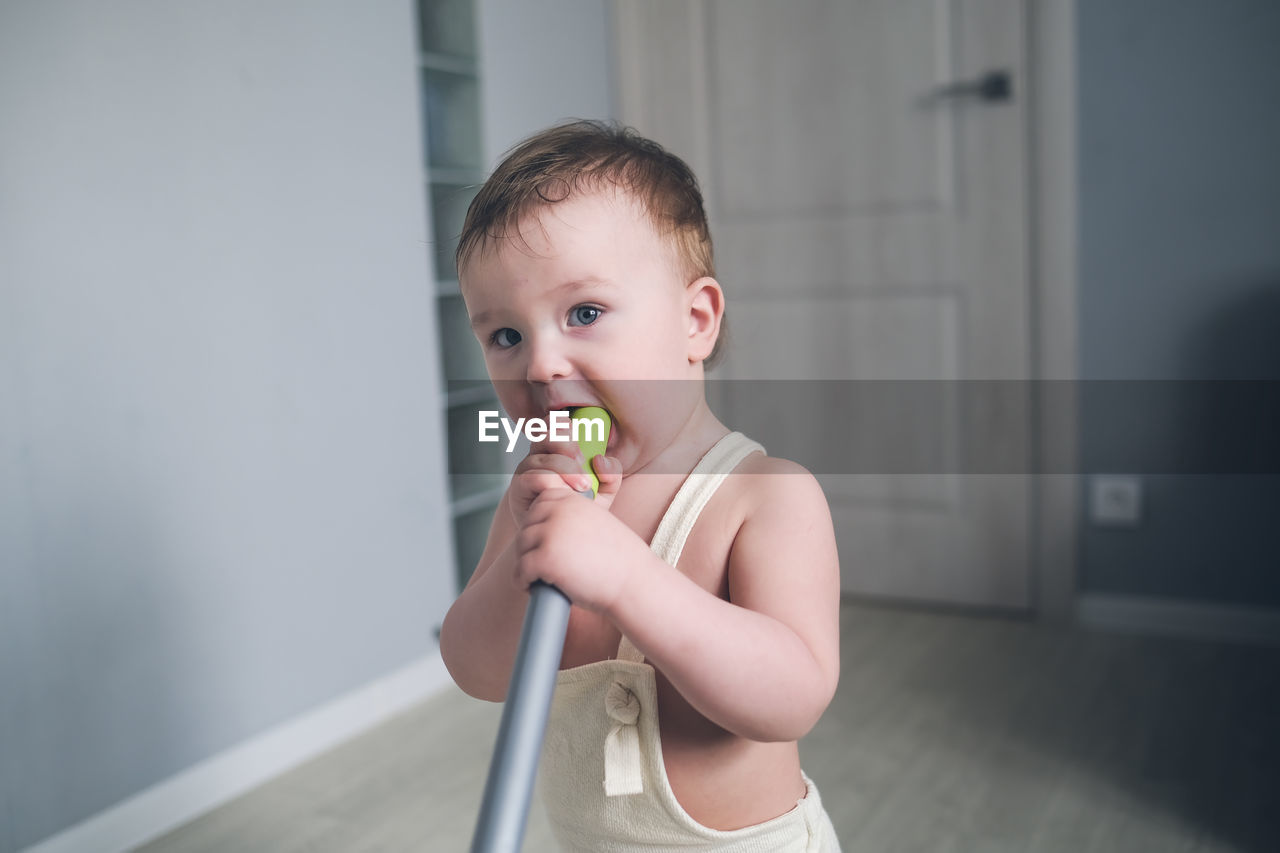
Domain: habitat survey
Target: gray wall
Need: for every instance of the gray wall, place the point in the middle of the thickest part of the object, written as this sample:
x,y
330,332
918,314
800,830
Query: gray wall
x,y
221,490
543,62
1179,270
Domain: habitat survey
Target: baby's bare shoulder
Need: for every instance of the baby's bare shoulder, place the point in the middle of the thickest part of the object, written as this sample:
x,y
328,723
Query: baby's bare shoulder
x,y
772,483
759,463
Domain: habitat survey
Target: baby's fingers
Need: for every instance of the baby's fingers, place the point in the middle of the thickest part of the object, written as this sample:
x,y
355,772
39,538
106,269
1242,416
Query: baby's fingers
x,y
569,472
534,483
609,472
568,449
528,540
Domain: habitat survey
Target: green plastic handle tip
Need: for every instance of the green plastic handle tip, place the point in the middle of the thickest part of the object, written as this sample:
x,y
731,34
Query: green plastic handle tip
x,y
591,438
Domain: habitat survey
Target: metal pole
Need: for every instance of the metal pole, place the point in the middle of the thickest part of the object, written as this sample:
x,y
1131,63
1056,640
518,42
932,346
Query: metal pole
x,y
505,808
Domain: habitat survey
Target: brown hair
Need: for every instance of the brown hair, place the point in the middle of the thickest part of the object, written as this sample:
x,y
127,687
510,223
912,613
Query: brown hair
x,y
551,165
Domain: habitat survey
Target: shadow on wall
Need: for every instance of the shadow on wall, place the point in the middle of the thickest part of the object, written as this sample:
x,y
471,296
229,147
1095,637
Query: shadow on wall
x,y
1208,447
1220,416
1242,339
1230,428
1228,411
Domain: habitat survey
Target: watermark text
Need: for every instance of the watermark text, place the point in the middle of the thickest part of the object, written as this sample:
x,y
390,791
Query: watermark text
x,y
559,427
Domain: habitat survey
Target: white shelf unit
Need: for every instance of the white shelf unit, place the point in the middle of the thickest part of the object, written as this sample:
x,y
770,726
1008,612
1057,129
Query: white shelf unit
x,y
453,170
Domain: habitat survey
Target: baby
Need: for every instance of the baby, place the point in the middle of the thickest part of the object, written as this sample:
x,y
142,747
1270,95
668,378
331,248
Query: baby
x,y
697,654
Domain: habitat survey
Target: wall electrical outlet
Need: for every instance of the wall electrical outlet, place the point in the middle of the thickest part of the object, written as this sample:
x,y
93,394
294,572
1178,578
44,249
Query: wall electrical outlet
x,y
1115,500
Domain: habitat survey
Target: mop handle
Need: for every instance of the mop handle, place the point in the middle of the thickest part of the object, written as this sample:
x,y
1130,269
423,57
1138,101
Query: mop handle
x,y
514,767
505,808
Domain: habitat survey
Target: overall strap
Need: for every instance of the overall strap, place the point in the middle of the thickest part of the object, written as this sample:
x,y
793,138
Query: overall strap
x,y
686,506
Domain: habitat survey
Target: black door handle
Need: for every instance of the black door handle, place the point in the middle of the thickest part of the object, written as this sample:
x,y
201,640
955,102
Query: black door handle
x,y
991,87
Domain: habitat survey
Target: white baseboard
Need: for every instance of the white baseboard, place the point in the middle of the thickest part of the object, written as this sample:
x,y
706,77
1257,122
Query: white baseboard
x,y
1234,623
223,777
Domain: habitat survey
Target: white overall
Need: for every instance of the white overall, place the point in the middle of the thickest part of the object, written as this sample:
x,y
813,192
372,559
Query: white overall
x,y
602,777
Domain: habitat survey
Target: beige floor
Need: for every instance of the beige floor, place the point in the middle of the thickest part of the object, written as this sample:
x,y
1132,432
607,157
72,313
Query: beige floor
x,y
949,733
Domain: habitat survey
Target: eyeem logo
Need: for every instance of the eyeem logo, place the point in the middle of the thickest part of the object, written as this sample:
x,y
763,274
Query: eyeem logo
x,y
560,428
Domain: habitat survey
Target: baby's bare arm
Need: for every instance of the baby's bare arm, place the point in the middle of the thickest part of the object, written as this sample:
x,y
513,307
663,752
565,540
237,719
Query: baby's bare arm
x,y
765,664
482,629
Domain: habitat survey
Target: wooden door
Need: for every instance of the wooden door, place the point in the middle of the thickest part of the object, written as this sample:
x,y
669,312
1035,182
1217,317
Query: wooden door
x,y
868,231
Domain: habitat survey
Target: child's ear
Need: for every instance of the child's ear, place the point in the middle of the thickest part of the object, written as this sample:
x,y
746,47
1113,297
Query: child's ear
x,y
706,307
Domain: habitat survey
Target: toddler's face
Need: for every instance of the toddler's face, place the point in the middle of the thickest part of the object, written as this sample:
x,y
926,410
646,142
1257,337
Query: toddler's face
x,y
593,311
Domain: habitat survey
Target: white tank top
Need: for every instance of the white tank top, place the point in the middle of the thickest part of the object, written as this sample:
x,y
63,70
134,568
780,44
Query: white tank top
x,y
602,777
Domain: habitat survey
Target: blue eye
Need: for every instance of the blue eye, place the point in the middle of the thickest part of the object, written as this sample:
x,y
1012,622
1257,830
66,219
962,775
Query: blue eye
x,y
584,315
505,338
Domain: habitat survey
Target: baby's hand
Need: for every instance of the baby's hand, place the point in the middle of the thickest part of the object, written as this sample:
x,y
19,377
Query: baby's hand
x,y
579,547
557,465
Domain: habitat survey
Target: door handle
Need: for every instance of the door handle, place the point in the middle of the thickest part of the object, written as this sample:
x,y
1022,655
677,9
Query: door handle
x,y
990,87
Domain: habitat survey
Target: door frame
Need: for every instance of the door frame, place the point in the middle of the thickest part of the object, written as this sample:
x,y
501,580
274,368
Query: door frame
x,y
1051,71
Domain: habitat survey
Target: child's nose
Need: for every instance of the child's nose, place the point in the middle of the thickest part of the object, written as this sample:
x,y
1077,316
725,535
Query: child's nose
x,y
546,362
